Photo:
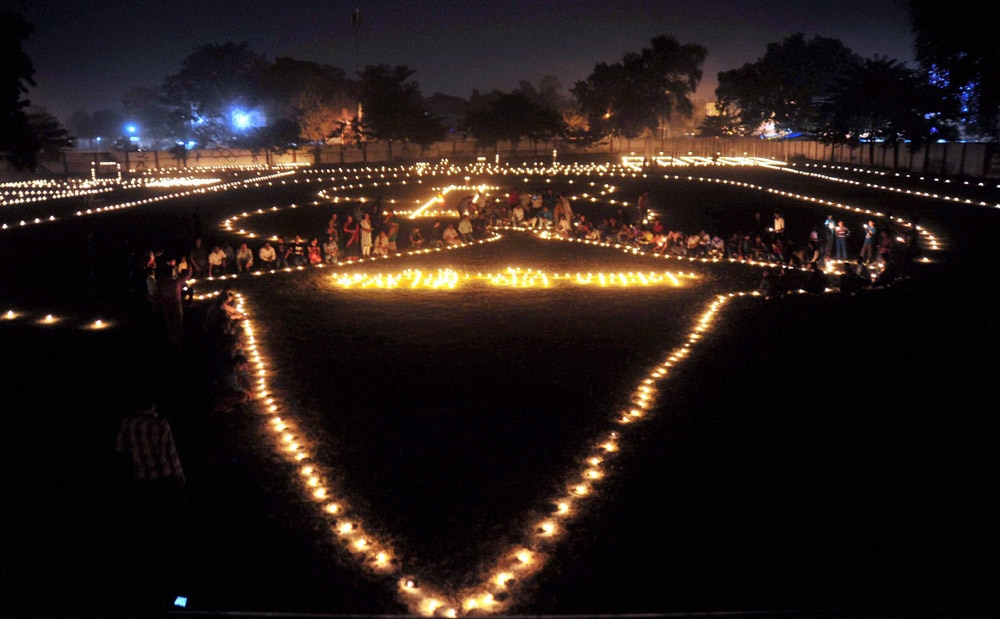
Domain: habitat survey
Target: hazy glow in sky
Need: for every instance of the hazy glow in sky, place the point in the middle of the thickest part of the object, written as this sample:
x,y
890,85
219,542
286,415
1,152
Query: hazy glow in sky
x,y
87,54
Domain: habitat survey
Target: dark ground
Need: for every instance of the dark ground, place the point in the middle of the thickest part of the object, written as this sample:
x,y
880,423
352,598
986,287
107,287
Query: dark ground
x,y
826,456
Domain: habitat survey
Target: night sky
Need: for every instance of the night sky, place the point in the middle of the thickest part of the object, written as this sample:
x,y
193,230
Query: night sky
x,y
86,53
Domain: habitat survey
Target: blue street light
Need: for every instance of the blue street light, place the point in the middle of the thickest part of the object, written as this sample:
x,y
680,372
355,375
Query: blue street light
x,y
241,119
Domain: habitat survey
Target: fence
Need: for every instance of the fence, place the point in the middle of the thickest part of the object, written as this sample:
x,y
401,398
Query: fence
x,y
970,160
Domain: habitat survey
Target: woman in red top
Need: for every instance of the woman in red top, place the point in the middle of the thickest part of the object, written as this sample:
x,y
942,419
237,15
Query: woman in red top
x,y
314,251
351,237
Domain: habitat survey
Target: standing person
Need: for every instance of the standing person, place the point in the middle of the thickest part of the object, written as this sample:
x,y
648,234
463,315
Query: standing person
x,y
643,206
829,234
170,288
779,224
868,247
333,227
841,232
758,227
198,258
156,483
884,248
153,292
366,235
393,235
911,251
351,237
558,210
338,233
549,198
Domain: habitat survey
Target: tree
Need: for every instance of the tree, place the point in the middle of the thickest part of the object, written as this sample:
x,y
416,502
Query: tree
x,y
959,48
317,97
104,124
317,120
393,108
511,117
786,85
544,124
432,129
546,94
481,120
214,81
449,108
633,95
720,125
881,100
18,144
51,136
145,107
277,137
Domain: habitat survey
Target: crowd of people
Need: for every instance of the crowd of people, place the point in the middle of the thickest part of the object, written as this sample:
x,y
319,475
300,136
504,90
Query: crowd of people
x,y
762,240
371,231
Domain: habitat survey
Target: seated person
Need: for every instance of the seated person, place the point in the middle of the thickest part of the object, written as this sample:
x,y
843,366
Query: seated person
x,y
268,256
717,248
517,215
331,250
693,240
816,280
314,252
217,262
229,307
381,244
416,238
236,387
450,236
244,258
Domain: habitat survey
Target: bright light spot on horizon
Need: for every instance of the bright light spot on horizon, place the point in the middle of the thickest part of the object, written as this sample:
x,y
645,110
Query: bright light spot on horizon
x,y
241,120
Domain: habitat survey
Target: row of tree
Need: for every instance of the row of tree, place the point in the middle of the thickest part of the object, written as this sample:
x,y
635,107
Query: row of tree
x,y
228,95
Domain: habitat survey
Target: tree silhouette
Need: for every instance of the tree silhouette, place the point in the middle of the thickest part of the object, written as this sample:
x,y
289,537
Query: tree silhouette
x,y
881,100
960,48
18,143
786,85
392,107
633,95
213,81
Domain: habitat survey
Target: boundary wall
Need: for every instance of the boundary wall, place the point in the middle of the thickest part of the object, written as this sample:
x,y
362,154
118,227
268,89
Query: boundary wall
x,y
969,160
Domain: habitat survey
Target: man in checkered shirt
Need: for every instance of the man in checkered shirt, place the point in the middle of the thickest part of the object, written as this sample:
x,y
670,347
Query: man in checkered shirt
x,y
148,441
